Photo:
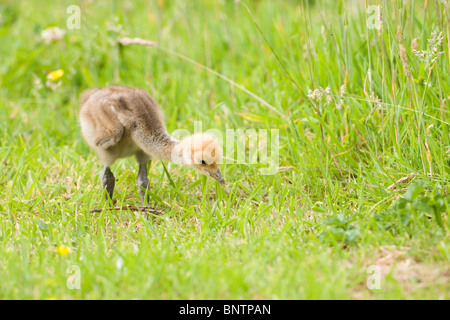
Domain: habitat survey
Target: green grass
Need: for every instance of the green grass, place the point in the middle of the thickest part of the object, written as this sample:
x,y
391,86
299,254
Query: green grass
x,y
310,232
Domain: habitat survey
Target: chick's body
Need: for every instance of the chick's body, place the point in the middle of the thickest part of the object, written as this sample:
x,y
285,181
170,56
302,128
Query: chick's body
x,y
114,118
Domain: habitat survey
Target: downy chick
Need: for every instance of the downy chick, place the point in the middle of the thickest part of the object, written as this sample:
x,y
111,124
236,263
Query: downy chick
x,y
119,122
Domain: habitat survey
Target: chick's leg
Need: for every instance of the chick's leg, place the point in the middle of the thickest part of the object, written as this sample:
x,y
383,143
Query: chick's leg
x,y
108,182
142,179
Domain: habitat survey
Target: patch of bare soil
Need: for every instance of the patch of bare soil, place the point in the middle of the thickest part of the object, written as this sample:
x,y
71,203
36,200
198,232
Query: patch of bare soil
x,y
410,274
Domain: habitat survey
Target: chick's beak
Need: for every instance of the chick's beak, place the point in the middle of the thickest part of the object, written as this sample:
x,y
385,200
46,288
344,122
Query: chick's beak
x,y
217,176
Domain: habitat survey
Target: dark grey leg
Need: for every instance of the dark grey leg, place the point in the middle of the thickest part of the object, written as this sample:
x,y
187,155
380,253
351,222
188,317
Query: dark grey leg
x,y
143,183
108,182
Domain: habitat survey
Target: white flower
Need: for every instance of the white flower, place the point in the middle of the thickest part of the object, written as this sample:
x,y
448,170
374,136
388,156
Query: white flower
x,y
343,90
430,55
53,85
319,94
315,95
52,34
119,263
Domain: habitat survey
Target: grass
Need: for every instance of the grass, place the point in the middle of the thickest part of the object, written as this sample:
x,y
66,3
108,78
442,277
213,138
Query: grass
x,y
309,232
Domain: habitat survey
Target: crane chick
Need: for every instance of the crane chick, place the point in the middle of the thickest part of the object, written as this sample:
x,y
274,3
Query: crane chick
x,y
119,122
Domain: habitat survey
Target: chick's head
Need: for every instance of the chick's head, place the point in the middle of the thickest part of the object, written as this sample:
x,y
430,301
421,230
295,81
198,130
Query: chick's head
x,y
202,152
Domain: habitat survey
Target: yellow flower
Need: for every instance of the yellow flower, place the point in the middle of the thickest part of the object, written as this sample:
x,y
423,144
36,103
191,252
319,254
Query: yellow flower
x,y
62,250
55,75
